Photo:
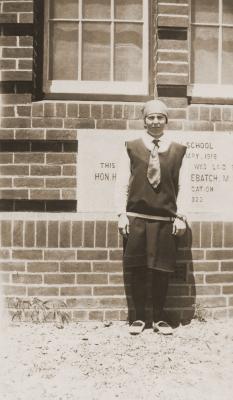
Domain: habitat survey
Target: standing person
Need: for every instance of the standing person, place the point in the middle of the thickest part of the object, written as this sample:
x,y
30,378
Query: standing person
x,y
148,217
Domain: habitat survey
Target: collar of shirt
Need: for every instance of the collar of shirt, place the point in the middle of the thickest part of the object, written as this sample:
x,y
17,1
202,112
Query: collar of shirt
x,y
164,142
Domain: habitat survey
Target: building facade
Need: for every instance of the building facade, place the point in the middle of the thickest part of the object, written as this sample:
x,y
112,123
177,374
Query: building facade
x,y
76,66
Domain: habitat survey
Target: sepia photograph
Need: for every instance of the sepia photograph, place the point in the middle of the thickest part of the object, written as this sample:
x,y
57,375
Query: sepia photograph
x,y
116,199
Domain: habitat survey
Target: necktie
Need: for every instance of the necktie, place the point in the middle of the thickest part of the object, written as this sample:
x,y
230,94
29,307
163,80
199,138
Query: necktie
x,y
153,171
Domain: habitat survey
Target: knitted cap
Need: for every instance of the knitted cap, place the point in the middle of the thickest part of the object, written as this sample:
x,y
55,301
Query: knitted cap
x,y
154,107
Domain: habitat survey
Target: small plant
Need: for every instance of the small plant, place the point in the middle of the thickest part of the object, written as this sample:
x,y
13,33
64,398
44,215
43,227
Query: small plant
x,y
200,312
40,311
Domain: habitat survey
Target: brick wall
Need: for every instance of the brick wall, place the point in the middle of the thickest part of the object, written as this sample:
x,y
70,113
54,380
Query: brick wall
x,y
69,258
80,262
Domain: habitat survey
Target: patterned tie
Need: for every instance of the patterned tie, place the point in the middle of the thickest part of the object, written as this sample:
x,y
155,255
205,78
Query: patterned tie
x,y
153,171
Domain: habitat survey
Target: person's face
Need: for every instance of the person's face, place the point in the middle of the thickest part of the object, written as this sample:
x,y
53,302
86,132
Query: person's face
x,y
154,124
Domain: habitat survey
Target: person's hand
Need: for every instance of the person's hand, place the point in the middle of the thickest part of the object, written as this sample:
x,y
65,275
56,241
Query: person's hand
x,y
179,227
123,224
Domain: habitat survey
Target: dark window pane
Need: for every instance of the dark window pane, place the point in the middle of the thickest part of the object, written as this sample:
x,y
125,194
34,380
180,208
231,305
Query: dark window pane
x,y
63,50
228,11
205,11
95,9
204,55
128,52
130,9
227,56
64,8
96,52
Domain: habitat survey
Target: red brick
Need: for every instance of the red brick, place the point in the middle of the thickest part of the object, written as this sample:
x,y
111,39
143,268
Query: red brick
x,y
118,111
178,290
107,111
49,110
204,290
13,194
227,289
25,18
61,134
24,111
4,254
12,266
80,315
8,41
108,291
8,111
215,114
196,279
8,18
77,233
43,291
205,266
96,111
173,9
5,182
58,254
205,234
60,182
128,111
226,114
48,194
16,6
180,302
6,234
17,233
79,123
84,111
37,109
34,134
172,67
75,291
112,238
231,301
16,170
47,123
41,233
53,234
29,233
204,113
211,301
217,234
7,64
170,56
228,234
14,290
72,110
6,133
109,302
85,302
15,123
107,266
69,170
116,279
28,182
111,315
219,278
227,266
219,254
16,98
198,126
24,158
92,254
100,233
27,254
45,170
111,124
65,234
96,315
60,110
75,267
91,279
89,229
6,158
59,279
115,255
26,279
16,75
175,125
68,194
64,158
42,266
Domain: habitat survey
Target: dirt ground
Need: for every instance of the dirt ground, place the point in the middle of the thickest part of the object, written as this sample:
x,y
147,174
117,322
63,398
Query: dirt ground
x,y
89,361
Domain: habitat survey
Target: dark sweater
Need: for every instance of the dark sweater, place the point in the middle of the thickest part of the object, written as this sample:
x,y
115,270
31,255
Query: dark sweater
x,y
142,198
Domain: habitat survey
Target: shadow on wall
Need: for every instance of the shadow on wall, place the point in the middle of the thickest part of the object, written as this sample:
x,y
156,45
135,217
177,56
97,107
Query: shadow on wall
x,y
181,297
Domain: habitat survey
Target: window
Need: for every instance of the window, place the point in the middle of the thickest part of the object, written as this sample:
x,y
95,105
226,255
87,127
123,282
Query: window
x,y
96,46
212,47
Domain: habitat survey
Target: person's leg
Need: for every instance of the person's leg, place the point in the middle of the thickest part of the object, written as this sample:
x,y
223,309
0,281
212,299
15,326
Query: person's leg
x,y
160,280
139,291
